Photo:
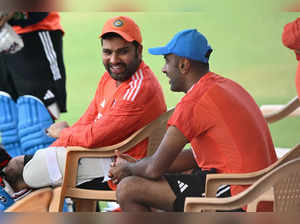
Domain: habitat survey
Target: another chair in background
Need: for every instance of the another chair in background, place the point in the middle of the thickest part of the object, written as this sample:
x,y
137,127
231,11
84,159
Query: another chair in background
x,y
283,183
41,200
276,112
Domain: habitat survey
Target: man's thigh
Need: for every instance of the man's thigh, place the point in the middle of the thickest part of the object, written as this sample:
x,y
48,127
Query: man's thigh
x,y
46,168
153,193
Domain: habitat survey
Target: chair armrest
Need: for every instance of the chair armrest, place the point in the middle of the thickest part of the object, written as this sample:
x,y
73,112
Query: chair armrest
x,y
213,181
198,204
273,113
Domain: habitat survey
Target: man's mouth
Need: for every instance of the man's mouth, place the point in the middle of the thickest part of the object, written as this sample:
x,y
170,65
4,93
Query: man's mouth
x,y
117,69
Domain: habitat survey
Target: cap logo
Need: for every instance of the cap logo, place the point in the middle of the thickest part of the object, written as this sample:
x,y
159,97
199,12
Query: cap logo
x,y
118,23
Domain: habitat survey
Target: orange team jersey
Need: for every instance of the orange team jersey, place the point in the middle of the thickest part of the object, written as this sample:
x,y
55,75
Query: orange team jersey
x,y
225,127
291,39
117,112
51,22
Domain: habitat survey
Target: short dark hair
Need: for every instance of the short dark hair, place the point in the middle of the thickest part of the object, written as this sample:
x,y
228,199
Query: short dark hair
x,y
115,35
202,65
199,65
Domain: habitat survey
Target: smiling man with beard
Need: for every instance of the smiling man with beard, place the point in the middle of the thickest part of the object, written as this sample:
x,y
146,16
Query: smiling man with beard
x,y
127,98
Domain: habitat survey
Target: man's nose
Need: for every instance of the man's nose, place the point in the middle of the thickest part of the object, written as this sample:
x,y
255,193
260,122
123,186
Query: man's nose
x,y
114,59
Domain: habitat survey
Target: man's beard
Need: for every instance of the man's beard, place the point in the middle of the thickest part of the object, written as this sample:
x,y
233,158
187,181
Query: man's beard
x,y
130,69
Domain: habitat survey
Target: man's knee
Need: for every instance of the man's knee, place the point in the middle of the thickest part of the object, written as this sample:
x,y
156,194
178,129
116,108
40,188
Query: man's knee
x,y
128,188
45,168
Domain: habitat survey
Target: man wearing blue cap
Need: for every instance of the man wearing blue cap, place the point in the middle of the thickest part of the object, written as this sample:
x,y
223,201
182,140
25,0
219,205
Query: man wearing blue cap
x,y
220,120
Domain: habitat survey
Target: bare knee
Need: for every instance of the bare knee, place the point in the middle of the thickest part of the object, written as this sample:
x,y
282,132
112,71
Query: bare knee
x,y
127,189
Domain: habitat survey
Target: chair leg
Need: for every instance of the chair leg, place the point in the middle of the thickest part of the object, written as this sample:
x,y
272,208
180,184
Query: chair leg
x,y
55,201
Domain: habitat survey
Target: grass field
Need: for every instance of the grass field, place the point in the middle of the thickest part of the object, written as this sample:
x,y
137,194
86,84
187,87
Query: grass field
x,y
247,48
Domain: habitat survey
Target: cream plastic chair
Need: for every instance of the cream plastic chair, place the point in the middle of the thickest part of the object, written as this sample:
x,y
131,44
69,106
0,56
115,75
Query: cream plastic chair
x,y
277,112
41,200
85,200
282,184
213,181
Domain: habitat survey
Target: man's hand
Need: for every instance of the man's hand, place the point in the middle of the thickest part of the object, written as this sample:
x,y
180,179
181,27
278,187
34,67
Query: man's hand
x,y
55,129
117,173
120,168
122,158
4,17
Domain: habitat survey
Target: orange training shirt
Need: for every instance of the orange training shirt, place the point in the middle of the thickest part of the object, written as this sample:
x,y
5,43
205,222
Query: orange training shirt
x,y
225,127
117,112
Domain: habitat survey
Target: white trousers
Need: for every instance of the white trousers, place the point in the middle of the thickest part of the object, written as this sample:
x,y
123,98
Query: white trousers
x,y
47,166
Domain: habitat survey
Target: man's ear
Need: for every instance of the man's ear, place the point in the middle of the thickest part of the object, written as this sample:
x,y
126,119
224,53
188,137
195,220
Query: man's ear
x,y
139,50
184,65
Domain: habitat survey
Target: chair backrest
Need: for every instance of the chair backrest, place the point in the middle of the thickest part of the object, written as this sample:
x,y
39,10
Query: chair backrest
x,y
285,180
287,188
157,129
154,131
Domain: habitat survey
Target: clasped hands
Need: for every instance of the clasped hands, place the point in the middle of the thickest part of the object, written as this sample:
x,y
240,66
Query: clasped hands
x,y
120,168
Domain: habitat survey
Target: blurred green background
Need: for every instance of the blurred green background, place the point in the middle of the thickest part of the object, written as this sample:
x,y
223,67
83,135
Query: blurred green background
x,y
245,36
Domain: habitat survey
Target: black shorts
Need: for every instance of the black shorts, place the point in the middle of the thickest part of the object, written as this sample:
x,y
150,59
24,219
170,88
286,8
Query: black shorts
x,y
38,69
192,185
95,184
187,185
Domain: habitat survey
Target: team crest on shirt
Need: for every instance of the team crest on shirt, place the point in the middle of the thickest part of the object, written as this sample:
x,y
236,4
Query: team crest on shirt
x,y
98,117
103,103
118,23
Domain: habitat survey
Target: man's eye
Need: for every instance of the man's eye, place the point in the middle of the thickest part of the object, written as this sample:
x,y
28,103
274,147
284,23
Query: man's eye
x,y
106,52
123,51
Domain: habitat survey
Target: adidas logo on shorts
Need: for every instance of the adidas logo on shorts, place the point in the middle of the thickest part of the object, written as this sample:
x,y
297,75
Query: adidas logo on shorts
x,y
182,186
48,95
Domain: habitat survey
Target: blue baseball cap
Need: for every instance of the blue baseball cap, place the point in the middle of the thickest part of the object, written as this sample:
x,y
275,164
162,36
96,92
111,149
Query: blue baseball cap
x,y
187,43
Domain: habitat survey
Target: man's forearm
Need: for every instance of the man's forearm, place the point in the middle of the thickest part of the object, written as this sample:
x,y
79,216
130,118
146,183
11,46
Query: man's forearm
x,y
184,161
143,168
